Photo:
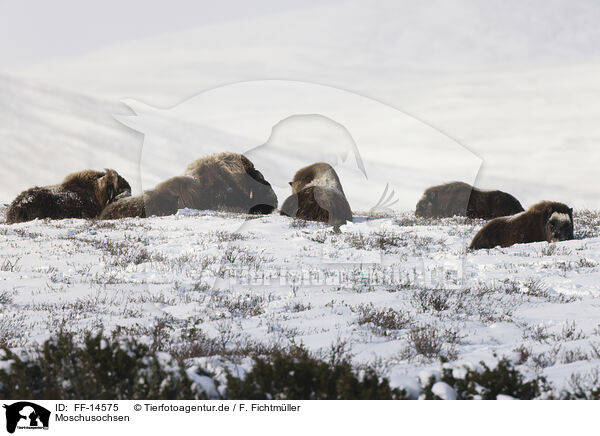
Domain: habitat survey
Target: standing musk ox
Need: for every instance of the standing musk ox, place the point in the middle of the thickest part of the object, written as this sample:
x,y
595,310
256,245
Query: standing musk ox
x,y
80,195
317,195
545,221
224,181
461,199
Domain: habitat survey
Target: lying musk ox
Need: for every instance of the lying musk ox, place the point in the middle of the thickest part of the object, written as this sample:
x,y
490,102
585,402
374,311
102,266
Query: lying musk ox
x,y
461,199
317,195
224,181
545,221
189,191
80,195
156,202
228,181
165,199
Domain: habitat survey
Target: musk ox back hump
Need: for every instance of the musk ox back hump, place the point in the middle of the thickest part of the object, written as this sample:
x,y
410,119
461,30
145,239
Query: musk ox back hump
x,y
229,181
44,202
492,204
80,195
461,199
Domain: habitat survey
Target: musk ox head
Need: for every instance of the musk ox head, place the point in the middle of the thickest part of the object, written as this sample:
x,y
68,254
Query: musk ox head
x,y
262,196
425,205
559,226
111,186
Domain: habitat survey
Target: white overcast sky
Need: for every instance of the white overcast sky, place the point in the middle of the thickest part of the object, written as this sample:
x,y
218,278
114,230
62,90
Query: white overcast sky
x,y
33,31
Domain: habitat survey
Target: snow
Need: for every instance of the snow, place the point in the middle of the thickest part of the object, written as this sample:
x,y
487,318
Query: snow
x,y
505,397
444,391
133,272
206,383
503,93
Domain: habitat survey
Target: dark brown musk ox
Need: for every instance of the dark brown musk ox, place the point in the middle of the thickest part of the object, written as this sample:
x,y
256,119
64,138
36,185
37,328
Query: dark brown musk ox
x,y
83,194
229,182
461,199
155,202
317,195
545,221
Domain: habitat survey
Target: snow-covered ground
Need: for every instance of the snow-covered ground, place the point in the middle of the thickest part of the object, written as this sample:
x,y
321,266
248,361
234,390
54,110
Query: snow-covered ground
x,y
503,93
399,293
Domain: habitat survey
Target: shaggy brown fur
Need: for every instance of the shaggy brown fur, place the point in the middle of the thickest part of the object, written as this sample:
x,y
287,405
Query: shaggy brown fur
x,y
461,199
318,203
545,221
229,181
156,202
317,174
318,196
80,195
187,189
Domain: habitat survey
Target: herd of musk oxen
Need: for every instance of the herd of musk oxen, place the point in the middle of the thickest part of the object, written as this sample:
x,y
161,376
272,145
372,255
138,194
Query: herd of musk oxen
x,y
230,182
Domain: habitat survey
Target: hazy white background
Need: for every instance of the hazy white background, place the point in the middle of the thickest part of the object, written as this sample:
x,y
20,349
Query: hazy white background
x,y
514,82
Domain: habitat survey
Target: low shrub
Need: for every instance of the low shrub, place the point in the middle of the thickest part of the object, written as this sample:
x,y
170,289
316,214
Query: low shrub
x,y
99,369
297,375
488,383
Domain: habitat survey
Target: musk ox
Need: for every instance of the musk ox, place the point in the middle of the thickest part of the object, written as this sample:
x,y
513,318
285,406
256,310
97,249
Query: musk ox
x,y
188,190
229,181
317,195
545,221
461,199
155,202
224,181
80,195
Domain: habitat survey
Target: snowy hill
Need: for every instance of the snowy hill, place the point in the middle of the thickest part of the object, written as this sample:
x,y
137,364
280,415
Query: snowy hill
x,y
47,133
50,133
516,83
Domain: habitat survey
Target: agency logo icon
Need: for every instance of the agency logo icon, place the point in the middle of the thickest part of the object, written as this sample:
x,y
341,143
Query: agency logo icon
x,y
26,415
